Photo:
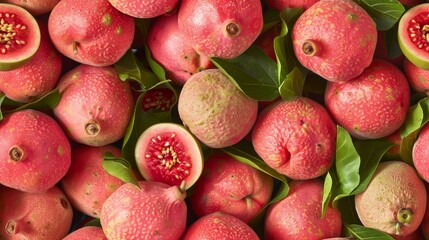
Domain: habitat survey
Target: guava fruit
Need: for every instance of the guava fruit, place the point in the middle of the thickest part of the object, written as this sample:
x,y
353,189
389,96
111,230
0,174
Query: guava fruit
x,y
37,76
296,138
95,105
417,77
424,225
219,225
86,184
299,214
35,7
411,2
372,105
144,8
90,32
215,110
281,4
158,99
232,187
171,48
223,29
20,37
413,35
394,201
265,41
36,216
86,233
420,153
169,153
335,39
34,151
153,211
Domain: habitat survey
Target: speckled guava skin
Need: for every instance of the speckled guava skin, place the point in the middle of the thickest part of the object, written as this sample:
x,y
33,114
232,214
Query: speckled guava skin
x,y
281,4
156,211
86,184
232,187
215,110
417,77
36,77
35,7
223,29
94,96
219,225
144,8
372,105
172,49
42,152
420,153
424,225
90,32
299,214
36,216
394,189
87,233
296,138
335,39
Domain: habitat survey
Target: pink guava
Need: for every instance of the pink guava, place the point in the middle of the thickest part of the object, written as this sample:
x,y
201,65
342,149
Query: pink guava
x,y
144,8
232,187
219,225
86,184
372,105
299,214
35,7
34,151
296,138
394,201
215,110
420,153
36,77
424,225
281,4
153,211
90,32
266,41
335,39
172,49
417,77
36,216
86,233
95,105
223,29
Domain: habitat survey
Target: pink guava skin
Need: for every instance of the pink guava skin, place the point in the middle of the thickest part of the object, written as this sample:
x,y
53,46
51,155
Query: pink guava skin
x,y
372,105
424,225
417,77
144,8
223,29
266,42
86,233
281,4
90,32
170,48
34,151
36,77
35,7
95,105
219,225
335,39
232,187
86,184
299,215
296,138
37,216
420,153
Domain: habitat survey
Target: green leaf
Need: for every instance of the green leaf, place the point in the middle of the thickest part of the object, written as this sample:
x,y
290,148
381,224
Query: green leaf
x,y
48,101
385,13
2,97
120,168
370,152
347,164
417,116
327,192
271,19
94,223
392,44
360,232
292,86
143,25
244,152
348,211
129,67
157,69
253,72
406,147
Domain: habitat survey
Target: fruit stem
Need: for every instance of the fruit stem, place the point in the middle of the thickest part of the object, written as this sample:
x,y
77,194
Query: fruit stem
x,y
75,47
182,187
309,47
404,216
92,128
232,29
16,153
11,227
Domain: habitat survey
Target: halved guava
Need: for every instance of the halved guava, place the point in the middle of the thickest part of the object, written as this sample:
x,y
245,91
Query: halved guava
x,y
169,153
19,36
413,35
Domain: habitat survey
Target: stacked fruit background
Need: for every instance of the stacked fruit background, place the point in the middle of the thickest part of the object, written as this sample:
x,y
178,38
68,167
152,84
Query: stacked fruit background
x,y
214,119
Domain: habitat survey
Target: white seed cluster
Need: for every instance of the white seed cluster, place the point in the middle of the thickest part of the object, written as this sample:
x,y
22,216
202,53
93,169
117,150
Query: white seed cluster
x,y
417,31
8,32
